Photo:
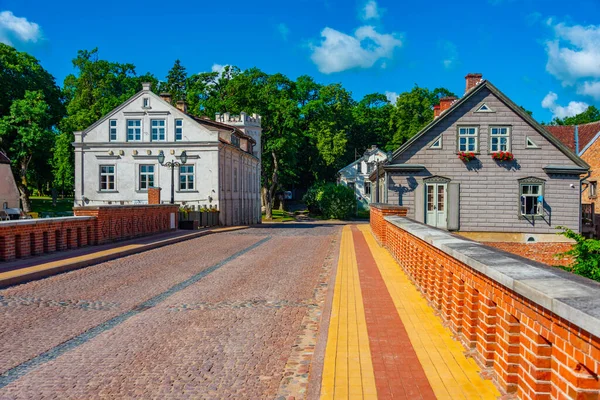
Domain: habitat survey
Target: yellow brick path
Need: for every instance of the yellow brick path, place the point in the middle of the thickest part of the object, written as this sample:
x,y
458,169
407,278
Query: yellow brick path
x,y
347,358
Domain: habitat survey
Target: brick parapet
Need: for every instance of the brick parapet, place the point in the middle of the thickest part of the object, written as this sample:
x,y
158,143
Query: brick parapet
x,y
378,212
89,226
535,327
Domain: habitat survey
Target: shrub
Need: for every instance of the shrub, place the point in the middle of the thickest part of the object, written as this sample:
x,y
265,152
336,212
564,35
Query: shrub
x,y
331,200
585,253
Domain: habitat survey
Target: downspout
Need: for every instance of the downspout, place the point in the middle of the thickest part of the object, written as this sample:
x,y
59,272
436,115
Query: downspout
x,y
589,173
577,140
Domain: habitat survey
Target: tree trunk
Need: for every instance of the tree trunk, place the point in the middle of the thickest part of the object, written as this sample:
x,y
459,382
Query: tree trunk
x,y
270,193
23,189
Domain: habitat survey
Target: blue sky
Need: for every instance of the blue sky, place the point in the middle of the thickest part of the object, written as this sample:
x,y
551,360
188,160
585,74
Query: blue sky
x,y
544,54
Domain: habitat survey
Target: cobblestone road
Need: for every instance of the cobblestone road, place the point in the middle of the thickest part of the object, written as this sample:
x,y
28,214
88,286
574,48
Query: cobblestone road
x,y
213,317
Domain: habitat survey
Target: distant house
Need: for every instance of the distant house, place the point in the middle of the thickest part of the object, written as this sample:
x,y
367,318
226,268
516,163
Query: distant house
x,y
481,195
117,159
9,193
356,175
583,140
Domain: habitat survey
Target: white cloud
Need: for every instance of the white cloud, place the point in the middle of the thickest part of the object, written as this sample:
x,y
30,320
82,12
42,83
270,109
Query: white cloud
x,y
574,56
218,68
590,88
371,11
284,31
391,96
339,51
450,54
558,111
18,29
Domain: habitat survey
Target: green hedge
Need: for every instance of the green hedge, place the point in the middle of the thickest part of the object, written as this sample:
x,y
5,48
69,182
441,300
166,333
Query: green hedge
x,y
331,200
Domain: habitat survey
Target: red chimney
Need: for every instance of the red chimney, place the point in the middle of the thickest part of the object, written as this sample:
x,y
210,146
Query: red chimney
x,y
436,111
472,80
446,102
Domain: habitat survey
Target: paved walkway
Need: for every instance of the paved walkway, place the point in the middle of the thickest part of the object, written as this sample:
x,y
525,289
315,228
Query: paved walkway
x,y
384,341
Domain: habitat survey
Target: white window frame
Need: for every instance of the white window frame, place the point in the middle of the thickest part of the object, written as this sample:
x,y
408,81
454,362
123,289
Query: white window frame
x,y
189,184
463,132
112,174
146,102
437,143
368,188
480,109
530,183
157,138
593,190
495,133
533,144
178,129
135,136
143,177
112,130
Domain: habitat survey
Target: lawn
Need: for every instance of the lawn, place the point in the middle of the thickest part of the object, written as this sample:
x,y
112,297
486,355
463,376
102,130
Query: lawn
x,y
43,206
280,216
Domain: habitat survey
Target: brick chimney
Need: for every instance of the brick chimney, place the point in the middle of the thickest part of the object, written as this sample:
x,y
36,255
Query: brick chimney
x,y
436,111
154,195
182,106
166,97
472,80
445,103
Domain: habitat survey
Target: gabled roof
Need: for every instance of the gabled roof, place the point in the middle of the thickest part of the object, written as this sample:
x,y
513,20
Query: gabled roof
x,y
4,158
587,133
509,103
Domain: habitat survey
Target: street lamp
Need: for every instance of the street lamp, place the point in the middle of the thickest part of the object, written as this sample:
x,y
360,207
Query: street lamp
x,y
172,165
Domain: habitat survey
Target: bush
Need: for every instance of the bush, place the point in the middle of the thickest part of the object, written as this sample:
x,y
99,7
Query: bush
x,y
331,200
585,253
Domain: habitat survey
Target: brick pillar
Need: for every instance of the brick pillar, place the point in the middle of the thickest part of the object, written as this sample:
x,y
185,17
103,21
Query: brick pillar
x,y
458,302
508,342
154,195
447,305
536,358
469,331
486,332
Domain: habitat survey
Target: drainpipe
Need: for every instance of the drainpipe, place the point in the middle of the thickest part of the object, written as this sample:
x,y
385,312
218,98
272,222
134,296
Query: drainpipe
x,y
577,140
589,173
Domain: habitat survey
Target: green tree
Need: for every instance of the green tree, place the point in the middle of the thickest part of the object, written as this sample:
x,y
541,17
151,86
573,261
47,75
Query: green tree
x,y
177,82
371,123
25,133
591,114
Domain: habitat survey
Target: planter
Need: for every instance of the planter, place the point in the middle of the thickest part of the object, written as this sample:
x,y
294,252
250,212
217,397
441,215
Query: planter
x,y
503,156
188,225
466,157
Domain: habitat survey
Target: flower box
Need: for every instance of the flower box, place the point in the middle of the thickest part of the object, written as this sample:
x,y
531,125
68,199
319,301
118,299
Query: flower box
x,y
503,156
466,157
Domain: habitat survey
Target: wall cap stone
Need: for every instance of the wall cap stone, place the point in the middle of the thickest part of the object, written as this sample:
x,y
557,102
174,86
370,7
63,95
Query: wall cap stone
x,y
114,206
572,297
383,206
36,221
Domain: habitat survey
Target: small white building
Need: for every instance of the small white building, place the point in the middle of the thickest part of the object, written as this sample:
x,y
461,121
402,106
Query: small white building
x,y
116,158
356,175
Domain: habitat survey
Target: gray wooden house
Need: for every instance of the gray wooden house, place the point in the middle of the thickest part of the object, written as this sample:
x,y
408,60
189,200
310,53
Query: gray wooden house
x,y
486,193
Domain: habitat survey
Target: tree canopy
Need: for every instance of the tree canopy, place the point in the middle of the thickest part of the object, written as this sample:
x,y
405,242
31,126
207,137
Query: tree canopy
x,y
591,114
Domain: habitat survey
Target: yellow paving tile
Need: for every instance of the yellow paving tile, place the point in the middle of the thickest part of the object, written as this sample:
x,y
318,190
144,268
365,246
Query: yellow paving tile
x,y
347,370
450,373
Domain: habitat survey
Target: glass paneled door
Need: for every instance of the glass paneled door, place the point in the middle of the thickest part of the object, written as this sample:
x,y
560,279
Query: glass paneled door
x,y
435,197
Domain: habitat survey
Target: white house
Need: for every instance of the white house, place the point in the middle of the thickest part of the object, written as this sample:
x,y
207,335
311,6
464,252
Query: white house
x,y
116,158
356,175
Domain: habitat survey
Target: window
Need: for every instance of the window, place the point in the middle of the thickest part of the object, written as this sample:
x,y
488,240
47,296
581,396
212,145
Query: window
x,y
146,102
134,130
484,108
186,177
178,129
235,180
359,167
532,197
146,176
468,139
235,140
367,187
107,177
370,167
158,129
593,190
531,144
437,143
113,130
499,138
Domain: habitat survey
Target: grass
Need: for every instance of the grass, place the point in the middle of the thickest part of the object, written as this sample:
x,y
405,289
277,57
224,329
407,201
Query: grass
x,y
43,205
280,216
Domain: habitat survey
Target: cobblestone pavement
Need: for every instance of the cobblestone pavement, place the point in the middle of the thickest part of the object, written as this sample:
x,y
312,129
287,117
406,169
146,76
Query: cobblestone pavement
x,y
213,317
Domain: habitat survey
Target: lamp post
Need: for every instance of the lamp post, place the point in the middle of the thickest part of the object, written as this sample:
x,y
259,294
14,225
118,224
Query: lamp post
x,y
172,165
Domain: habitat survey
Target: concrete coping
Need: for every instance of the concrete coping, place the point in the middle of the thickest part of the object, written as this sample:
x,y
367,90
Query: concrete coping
x,y
383,206
113,206
571,297
36,221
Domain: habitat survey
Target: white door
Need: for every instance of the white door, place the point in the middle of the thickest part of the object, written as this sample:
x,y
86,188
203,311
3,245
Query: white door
x,y
435,198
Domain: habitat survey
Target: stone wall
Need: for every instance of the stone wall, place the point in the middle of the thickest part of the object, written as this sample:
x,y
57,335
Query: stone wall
x,y
534,329
90,226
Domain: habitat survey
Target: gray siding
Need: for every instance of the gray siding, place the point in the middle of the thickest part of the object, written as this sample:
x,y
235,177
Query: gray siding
x,y
489,191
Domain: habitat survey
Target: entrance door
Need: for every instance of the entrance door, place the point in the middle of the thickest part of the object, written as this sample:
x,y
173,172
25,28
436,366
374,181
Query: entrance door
x,y
436,214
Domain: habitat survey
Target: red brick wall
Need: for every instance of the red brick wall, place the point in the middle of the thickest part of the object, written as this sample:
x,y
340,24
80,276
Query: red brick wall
x,y
105,224
377,214
154,195
531,351
592,157
540,252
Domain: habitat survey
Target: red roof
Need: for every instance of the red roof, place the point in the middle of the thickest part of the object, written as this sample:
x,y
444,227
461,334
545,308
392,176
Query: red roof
x,y
566,134
4,159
